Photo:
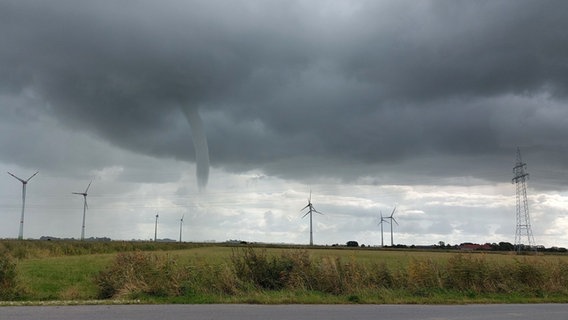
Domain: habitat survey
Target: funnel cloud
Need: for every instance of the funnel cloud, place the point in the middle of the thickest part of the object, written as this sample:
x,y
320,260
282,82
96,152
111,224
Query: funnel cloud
x,y
199,144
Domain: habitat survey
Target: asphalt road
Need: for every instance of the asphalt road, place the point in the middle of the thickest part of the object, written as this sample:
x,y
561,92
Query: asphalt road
x,y
281,312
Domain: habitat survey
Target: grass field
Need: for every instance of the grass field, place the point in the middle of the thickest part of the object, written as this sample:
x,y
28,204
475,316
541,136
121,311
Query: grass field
x,y
205,273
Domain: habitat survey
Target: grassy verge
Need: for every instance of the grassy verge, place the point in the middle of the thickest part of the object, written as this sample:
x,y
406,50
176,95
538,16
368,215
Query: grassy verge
x,y
62,278
220,274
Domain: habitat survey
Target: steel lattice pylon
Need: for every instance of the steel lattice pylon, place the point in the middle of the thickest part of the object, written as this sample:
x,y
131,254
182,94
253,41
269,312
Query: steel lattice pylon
x,y
523,230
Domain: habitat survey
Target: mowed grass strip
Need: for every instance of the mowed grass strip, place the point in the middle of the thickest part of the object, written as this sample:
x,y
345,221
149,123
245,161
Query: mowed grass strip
x,y
62,278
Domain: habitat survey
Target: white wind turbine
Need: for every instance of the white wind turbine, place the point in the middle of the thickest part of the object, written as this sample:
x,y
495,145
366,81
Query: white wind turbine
x,y
381,221
24,183
85,207
311,209
180,226
156,228
392,219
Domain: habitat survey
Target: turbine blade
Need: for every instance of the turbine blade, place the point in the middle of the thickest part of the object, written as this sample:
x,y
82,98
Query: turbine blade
x,y
22,181
393,219
306,214
86,190
308,205
77,193
86,204
33,175
393,210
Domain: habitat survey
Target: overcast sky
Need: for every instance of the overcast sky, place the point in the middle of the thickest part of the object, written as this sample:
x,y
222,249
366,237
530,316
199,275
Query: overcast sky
x,y
368,104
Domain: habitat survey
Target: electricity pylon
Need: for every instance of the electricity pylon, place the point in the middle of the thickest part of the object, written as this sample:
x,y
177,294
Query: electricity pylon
x,y
523,230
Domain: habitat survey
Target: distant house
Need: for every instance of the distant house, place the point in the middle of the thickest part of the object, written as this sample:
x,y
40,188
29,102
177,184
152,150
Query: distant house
x,y
474,246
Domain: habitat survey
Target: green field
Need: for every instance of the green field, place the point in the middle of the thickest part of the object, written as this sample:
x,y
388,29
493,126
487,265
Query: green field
x,y
77,272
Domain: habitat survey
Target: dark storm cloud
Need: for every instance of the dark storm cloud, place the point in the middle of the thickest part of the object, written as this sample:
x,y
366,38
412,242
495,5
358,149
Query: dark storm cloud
x,y
300,86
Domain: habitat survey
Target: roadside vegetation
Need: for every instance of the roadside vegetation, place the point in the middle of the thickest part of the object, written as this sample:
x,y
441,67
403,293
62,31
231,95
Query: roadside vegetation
x,y
191,273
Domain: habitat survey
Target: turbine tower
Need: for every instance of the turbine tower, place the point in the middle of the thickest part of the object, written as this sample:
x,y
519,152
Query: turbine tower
x,y
392,219
381,221
156,228
311,210
24,183
523,230
180,226
85,207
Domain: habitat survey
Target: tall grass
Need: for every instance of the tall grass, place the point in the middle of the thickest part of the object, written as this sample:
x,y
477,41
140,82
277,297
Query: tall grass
x,y
147,274
139,273
9,283
252,271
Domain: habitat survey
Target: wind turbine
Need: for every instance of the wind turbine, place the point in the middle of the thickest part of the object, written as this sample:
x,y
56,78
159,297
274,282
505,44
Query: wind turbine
x,y
180,226
85,207
24,183
381,221
311,209
392,219
156,228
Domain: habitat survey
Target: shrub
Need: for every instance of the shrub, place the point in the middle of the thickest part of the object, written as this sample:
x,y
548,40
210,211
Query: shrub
x,y
204,278
298,271
136,272
302,274
262,271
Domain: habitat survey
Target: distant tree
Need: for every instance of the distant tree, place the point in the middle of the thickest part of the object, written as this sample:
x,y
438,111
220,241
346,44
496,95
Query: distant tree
x,y
352,243
506,246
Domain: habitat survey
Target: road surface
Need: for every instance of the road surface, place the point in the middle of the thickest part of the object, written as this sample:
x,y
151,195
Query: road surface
x,y
285,312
